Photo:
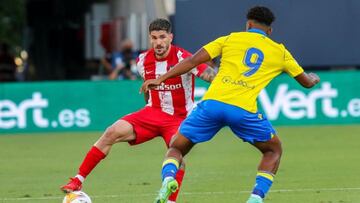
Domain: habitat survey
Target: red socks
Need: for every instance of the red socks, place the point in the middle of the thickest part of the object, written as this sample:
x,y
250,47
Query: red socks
x,y
179,177
93,157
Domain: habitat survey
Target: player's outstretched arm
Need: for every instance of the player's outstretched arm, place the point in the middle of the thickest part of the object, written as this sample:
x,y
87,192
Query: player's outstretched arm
x,y
307,80
201,56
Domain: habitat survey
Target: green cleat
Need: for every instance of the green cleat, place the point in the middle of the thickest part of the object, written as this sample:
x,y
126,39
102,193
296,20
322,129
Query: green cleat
x,y
255,199
169,186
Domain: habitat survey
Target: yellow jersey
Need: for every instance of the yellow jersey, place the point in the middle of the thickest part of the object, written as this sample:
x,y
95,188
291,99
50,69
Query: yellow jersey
x,y
249,61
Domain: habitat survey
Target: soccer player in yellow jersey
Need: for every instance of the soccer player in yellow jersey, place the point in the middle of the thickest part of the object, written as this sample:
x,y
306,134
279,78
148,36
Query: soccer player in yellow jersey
x,y
249,61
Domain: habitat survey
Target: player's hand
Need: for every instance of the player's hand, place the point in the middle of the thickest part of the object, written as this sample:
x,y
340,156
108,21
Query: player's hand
x,y
149,84
315,78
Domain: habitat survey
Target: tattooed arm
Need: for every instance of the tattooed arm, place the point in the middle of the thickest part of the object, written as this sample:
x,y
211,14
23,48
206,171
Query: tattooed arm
x,y
208,75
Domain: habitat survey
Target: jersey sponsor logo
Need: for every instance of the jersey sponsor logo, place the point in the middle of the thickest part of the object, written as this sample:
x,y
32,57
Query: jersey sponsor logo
x,y
148,72
229,80
164,86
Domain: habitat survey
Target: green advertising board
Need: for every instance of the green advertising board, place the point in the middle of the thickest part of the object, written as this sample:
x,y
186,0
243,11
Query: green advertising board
x,y
86,105
71,106
335,100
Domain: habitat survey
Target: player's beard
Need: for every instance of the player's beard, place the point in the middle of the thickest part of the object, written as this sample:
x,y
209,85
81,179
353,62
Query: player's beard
x,y
161,50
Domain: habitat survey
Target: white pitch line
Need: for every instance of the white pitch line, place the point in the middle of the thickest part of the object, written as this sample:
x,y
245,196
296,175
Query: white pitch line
x,y
187,193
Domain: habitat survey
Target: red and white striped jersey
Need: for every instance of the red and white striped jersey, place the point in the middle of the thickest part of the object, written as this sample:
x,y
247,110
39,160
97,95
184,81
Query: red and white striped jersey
x,y
174,96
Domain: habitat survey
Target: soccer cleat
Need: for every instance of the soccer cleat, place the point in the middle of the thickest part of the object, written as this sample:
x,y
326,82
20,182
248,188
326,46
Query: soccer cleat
x,y
255,199
74,185
169,186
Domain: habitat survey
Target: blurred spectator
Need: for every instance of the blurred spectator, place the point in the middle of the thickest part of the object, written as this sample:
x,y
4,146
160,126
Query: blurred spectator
x,y
121,64
7,64
106,62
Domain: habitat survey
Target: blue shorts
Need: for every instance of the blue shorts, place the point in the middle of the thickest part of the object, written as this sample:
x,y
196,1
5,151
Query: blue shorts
x,y
210,116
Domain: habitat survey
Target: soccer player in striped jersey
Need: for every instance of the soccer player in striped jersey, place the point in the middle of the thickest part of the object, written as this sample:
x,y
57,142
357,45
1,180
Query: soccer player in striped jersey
x,y
249,61
167,105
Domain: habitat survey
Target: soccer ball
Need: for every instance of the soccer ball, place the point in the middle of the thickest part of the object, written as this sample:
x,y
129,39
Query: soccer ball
x,y
77,197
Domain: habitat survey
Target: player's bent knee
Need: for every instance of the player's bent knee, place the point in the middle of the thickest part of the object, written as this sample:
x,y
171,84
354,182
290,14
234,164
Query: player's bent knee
x,y
276,145
175,153
277,152
121,131
110,135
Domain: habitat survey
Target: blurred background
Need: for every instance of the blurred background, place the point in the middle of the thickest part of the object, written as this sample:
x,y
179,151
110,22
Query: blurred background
x,y
67,39
57,54
74,39
58,94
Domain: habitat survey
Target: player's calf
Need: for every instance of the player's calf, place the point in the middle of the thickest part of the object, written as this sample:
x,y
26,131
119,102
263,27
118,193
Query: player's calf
x,y
120,131
92,158
269,164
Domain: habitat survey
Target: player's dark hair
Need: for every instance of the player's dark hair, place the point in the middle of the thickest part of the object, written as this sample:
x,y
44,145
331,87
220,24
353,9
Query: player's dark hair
x,y
261,15
160,24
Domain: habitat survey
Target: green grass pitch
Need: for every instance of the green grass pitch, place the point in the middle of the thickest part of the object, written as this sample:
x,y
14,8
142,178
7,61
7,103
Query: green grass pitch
x,y
320,164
